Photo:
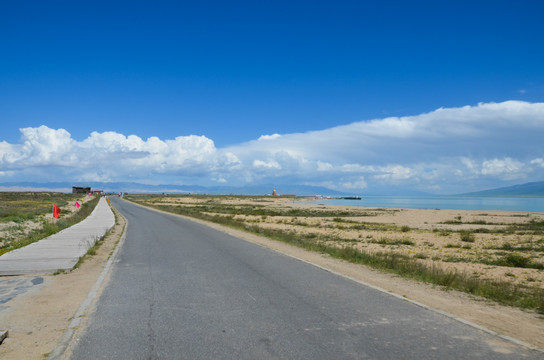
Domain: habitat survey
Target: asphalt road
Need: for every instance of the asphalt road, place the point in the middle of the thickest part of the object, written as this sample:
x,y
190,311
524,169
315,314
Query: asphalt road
x,y
181,290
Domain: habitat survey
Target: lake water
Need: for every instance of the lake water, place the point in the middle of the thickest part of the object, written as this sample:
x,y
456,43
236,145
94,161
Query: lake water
x,y
445,202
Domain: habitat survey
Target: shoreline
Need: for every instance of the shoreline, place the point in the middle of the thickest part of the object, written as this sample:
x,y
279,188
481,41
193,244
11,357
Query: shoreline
x,y
446,202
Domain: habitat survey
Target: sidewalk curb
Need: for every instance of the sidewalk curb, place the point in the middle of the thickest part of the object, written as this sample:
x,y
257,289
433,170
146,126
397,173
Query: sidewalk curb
x,y
66,338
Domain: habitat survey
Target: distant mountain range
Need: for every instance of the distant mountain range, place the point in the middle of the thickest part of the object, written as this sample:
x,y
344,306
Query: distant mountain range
x,y
132,187
528,189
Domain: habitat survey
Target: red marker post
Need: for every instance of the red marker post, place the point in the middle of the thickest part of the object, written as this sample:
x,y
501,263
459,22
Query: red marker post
x,y
56,211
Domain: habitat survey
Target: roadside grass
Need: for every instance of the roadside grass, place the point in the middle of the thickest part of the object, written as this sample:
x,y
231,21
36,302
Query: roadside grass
x,y
22,206
118,218
92,250
504,292
49,228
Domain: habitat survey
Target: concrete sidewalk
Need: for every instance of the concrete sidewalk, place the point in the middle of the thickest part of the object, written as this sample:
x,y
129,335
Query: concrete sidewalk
x,y
62,250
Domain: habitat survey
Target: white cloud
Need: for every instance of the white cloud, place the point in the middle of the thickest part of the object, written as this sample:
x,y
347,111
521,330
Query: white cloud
x,y
110,155
503,168
440,149
395,172
220,180
359,183
357,168
445,145
538,162
268,137
266,164
40,146
470,164
323,166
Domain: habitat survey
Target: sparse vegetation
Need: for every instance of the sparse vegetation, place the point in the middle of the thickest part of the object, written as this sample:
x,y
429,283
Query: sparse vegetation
x,y
514,243
21,206
34,207
467,236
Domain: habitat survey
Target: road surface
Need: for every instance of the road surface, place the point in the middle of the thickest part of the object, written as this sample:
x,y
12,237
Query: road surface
x,y
181,290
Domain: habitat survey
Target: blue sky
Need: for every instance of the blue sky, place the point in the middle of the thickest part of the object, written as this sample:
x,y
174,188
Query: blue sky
x,y
219,75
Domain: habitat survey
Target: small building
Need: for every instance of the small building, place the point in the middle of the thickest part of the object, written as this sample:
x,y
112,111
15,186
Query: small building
x,y
81,189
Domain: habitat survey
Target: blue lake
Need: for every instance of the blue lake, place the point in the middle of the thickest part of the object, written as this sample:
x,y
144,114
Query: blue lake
x,y
445,202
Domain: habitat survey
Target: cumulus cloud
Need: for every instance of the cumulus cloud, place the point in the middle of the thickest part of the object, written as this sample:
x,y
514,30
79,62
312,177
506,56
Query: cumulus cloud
x,y
507,168
110,155
324,166
538,162
442,149
40,146
357,184
259,164
395,172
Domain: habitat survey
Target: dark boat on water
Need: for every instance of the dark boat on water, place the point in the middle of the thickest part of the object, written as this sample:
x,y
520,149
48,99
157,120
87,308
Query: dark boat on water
x,y
351,198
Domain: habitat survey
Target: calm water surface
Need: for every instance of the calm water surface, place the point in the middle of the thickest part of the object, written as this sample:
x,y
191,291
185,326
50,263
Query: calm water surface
x,y
445,202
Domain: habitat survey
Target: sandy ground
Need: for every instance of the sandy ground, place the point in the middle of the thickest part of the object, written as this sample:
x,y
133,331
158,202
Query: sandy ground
x,y
37,319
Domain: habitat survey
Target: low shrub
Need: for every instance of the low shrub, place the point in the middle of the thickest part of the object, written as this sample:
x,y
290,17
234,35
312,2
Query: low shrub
x,y
467,236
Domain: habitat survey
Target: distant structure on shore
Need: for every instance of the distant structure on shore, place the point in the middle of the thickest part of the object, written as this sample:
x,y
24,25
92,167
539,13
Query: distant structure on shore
x,y
316,197
81,189
274,193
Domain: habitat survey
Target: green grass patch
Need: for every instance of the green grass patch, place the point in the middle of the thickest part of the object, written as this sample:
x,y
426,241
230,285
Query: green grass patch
x,y
50,228
453,246
467,236
387,241
532,227
22,206
518,261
